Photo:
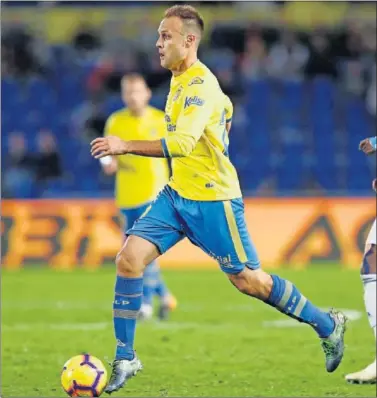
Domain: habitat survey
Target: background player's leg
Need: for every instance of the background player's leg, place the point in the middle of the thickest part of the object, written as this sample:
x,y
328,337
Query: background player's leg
x,y
368,276
149,286
153,284
131,215
161,290
149,278
154,281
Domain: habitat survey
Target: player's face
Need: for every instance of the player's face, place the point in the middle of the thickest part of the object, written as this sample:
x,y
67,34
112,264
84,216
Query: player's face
x,y
135,95
172,44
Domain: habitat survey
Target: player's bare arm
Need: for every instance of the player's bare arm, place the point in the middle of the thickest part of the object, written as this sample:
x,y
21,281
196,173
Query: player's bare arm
x,y
114,146
368,146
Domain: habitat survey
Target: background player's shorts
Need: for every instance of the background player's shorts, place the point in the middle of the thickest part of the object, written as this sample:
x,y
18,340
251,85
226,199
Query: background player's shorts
x,y
217,227
371,240
132,214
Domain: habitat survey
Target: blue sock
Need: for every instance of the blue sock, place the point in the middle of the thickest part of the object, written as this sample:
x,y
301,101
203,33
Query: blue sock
x,y
287,299
127,303
153,283
150,280
161,289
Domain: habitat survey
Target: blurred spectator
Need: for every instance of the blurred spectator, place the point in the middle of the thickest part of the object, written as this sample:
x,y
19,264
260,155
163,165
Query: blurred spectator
x,y
6,68
18,155
99,74
107,74
222,63
155,74
17,50
88,120
369,42
48,160
287,58
86,39
95,125
321,61
369,39
254,59
19,170
353,67
147,36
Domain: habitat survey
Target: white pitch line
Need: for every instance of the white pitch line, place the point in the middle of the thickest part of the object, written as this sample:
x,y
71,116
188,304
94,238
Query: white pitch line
x,y
352,315
100,305
193,325
56,326
169,326
57,305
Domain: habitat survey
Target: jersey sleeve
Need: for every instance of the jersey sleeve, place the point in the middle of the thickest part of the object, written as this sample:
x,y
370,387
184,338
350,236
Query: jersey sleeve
x,y
228,109
373,142
196,111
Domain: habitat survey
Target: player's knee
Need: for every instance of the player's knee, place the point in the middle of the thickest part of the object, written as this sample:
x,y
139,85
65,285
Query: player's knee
x,y
256,283
135,254
368,265
126,263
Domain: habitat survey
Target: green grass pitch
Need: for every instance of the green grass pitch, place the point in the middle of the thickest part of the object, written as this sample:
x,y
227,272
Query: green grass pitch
x,y
217,343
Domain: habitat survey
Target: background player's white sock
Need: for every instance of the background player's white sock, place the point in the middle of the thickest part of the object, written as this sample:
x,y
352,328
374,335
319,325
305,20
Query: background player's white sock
x,y
369,282
146,311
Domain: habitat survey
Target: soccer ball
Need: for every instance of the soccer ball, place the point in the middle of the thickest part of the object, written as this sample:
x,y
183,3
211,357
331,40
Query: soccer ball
x,y
84,376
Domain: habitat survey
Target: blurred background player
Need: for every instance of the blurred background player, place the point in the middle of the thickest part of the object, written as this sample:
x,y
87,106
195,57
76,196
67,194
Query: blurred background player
x,y
368,275
139,179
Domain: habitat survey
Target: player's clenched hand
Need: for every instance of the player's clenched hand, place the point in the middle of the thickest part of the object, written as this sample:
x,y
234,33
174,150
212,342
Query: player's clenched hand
x,y
374,184
366,147
105,146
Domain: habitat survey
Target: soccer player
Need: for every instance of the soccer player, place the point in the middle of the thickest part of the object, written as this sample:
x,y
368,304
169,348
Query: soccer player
x,y
368,276
202,201
139,179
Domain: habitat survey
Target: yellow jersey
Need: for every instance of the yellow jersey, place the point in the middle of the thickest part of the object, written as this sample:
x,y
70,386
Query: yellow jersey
x,y
196,114
138,179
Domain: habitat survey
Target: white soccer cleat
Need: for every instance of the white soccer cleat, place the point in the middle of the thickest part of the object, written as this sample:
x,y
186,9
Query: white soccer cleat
x,y
365,376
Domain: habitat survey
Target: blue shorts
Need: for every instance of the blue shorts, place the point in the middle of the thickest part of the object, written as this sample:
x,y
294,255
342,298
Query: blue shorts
x,y
132,214
217,227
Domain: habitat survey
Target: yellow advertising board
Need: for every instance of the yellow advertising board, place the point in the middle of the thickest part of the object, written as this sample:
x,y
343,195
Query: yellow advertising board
x,y
88,233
